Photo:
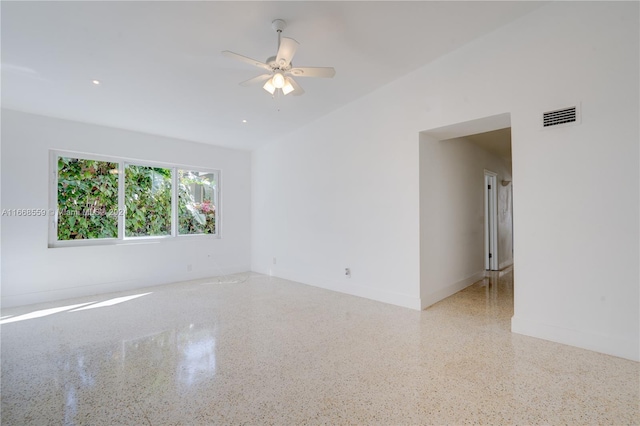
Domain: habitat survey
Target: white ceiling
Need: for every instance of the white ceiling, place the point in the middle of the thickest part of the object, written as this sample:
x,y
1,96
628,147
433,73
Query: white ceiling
x,y
498,142
162,71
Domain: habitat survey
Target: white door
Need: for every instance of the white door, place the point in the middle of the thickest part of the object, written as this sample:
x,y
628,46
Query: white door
x,y
490,221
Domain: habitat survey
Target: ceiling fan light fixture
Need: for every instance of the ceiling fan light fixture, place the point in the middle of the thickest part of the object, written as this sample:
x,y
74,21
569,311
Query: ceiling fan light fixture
x,y
288,87
269,87
278,80
279,67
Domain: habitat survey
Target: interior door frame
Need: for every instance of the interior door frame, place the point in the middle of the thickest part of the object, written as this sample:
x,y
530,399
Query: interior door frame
x,y
490,220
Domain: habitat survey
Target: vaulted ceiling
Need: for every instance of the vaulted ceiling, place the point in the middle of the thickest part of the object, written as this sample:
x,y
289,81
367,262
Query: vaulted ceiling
x,y
161,71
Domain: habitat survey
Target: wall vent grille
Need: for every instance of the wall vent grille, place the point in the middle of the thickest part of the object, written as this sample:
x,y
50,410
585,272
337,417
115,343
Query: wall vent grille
x,y
560,116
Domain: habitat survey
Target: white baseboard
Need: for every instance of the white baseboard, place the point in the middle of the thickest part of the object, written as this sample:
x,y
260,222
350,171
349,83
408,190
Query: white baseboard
x,y
353,289
53,295
628,349
450,290
384,296
505,264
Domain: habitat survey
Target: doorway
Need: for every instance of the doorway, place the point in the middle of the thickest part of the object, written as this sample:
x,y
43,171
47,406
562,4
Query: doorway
x,y
465,230
490,221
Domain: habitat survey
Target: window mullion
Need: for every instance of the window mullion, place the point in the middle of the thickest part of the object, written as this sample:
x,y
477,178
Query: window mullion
x,y
121,203
216,200
174,201
53,198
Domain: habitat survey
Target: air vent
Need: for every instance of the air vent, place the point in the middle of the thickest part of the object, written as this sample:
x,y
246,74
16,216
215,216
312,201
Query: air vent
x,y
560,116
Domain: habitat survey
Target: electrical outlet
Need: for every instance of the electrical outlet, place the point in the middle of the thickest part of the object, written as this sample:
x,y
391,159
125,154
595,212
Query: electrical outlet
x,y
189,267
347,272
274,260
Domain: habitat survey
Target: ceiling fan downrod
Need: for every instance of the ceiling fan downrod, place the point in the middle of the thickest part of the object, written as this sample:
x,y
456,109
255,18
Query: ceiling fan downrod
x,y
278,25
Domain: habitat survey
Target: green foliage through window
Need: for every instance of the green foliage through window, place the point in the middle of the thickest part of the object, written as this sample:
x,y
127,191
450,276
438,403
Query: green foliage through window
x,y
147,193
196,203
89,206
87,199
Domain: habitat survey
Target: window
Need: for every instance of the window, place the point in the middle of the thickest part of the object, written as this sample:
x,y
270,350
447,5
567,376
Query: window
x,y
87,191
196,202
100,200
147,194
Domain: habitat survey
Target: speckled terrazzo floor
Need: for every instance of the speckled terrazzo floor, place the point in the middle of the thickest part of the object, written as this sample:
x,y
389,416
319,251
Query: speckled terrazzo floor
x,y
259,350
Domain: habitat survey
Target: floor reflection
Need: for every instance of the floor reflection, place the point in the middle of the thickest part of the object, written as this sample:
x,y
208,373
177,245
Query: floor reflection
x,y
498,289
197,349
154,364
78,374
189,351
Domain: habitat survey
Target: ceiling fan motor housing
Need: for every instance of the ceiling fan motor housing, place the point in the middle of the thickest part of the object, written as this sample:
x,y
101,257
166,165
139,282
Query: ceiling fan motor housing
x,y
278,25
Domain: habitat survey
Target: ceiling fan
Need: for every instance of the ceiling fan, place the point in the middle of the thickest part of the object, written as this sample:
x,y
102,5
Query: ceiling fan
x,y
280,70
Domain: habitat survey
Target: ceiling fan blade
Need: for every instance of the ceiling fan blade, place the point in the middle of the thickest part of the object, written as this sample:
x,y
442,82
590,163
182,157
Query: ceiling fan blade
x,y
254,80
297,90
247,60
324,72
288,47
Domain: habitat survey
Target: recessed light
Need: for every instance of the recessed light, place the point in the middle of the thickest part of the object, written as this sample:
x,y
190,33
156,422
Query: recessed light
x,y
244,121
96,82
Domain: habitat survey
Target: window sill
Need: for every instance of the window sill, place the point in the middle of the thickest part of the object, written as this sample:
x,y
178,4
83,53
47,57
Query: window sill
x,y
132,241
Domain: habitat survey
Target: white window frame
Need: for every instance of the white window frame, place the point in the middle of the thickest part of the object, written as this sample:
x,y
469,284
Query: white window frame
x,y
174,206
121,238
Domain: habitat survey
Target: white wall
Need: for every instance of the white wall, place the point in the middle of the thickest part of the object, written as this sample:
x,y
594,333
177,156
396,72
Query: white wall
x,y
452,215
327,198
32,273
343,192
